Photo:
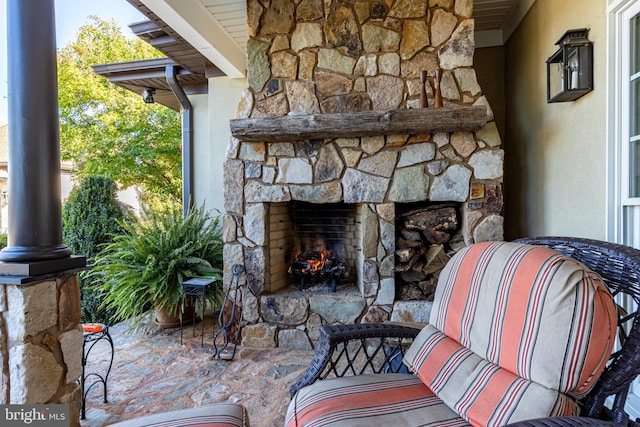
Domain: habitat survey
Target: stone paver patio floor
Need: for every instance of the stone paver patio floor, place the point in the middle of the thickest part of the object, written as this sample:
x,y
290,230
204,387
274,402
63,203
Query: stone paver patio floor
x,y
152,372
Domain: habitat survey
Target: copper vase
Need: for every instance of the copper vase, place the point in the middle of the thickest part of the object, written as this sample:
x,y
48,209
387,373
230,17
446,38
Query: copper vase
x,y
438,96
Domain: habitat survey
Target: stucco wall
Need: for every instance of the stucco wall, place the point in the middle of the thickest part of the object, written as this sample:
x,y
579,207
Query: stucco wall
x,y
490,67
212,137
555,154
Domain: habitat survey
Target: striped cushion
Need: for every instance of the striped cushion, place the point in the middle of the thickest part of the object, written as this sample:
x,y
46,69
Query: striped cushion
x,y
370,400
481,391
218,415
521,322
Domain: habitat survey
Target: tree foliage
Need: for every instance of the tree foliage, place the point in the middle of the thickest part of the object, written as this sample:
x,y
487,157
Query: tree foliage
x,y
109,131
90,219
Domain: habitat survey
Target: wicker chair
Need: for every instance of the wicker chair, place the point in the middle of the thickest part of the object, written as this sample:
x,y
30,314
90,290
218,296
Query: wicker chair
x,y
374,348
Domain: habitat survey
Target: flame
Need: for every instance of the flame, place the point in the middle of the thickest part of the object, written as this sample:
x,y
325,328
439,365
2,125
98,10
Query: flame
x,y
314,262
316,265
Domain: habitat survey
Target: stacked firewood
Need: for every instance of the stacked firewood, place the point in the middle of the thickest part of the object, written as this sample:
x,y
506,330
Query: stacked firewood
x,y
423,245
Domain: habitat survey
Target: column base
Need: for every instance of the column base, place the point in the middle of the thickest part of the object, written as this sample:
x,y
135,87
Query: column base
x,y
34,253
37,268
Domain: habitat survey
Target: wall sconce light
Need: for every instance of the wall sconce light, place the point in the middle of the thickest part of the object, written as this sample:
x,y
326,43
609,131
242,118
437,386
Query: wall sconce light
x,y
147,95
570,68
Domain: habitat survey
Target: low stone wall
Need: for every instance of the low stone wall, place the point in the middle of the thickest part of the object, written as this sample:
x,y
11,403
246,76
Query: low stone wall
x,y
41,343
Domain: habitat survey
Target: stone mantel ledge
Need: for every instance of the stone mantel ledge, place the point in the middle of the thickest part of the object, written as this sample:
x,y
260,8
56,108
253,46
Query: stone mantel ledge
x,y
301,127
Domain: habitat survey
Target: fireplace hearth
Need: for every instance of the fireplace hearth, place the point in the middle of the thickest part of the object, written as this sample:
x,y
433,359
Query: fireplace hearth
x,y
326,159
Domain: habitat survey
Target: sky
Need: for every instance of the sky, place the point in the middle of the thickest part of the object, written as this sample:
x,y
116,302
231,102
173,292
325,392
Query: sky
x,y
70,16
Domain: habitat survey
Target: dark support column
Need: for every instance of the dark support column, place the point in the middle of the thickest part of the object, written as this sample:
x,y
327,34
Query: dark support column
x,y
35,213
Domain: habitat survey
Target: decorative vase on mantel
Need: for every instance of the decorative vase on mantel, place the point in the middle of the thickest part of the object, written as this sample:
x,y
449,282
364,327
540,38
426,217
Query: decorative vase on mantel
x,y
424,103
437,102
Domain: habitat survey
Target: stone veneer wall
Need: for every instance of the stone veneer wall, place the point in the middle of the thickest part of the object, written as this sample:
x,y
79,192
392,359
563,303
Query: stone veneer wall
x,y
313,57
41,343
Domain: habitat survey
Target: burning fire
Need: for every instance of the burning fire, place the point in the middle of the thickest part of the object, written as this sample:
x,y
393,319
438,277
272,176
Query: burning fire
x,y
310,263
317,264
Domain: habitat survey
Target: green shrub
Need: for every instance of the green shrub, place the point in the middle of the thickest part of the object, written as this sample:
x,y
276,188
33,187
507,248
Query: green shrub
x,y
3,241
89,220
145,266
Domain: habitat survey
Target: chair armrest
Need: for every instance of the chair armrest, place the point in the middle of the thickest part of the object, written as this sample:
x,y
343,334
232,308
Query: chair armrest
x,y
562,422
356,349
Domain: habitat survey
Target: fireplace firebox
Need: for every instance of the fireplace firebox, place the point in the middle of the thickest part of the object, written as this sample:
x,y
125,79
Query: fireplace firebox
x,y
314,265
315,243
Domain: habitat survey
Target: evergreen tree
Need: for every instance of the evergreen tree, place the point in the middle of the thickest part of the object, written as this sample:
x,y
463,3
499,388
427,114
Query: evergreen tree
x,y
89,220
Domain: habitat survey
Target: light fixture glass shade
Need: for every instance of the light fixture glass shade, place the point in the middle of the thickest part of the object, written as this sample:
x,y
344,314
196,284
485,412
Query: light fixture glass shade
x,y
570,68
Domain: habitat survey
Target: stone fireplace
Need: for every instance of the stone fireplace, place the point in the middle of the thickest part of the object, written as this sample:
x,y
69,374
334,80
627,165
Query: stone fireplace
x,y
330,130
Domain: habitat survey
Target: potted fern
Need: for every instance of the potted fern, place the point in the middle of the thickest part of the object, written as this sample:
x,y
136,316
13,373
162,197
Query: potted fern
x,y
144,267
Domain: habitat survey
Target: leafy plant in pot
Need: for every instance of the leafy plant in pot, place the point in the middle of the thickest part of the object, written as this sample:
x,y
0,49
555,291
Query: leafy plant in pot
x,y
144,267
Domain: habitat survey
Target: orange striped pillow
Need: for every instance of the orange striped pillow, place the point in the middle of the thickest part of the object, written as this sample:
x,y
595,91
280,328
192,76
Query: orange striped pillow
x,y
528,311
481,392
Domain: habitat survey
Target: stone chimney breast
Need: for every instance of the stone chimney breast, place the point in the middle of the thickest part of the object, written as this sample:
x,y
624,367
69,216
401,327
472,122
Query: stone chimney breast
x,y
327,126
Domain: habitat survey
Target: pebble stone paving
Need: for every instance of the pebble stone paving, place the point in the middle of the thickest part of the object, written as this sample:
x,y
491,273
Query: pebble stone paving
x,y
152,372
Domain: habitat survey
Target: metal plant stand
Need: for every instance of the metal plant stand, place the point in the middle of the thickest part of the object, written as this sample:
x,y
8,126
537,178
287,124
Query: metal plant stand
x,y
92,334
232,296
197,288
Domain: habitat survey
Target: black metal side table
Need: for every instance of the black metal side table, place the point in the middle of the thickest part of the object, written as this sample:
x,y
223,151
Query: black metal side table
x,y
92,334
197,288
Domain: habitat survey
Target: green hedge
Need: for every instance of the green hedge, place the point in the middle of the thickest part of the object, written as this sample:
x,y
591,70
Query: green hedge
x,y
89,220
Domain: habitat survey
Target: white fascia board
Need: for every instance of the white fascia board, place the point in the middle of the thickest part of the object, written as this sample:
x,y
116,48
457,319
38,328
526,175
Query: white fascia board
x,y
192,20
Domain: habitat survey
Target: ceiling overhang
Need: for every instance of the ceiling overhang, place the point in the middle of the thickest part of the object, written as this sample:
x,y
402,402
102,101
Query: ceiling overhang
x,y
217,29
496,20
151,73
193,21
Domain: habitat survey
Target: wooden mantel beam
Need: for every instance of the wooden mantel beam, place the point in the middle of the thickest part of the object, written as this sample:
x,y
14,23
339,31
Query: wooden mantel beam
x,y
358,124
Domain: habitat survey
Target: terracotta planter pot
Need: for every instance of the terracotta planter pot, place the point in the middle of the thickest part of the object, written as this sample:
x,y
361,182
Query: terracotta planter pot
x,y
164,319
